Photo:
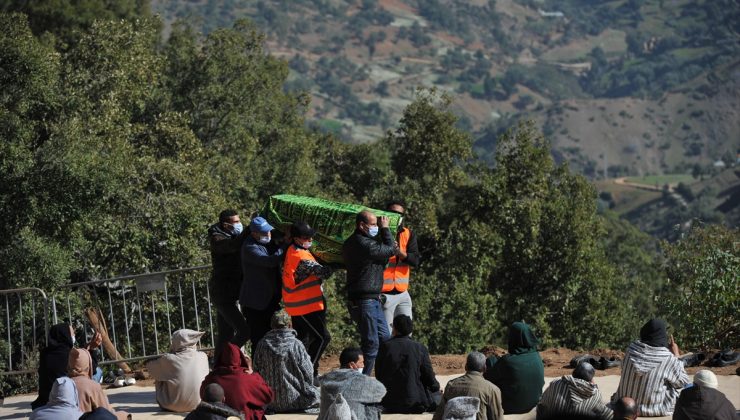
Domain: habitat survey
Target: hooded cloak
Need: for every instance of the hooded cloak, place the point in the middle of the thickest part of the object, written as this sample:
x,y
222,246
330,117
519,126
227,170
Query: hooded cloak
x,y
63,401
243,391
178,374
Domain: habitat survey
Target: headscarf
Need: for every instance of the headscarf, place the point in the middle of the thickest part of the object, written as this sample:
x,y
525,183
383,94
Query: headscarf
x,y
521,339
80,363
185,340
654,333
60,336
63,402
53,361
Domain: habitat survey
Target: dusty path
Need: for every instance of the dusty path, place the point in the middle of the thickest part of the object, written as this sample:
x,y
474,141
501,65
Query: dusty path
x,y
140,402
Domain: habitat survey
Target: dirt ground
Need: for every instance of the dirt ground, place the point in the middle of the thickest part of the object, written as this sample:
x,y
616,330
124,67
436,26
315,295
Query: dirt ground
x,y
557,362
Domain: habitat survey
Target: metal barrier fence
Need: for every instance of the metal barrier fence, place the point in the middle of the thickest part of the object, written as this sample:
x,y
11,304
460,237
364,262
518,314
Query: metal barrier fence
x,y
22,329
140,313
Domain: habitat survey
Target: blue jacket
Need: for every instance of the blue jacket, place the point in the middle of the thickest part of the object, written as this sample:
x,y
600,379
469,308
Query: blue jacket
x,y
261,274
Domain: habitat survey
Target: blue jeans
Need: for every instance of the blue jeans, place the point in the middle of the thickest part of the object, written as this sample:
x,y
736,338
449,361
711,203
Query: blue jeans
x,y
368,314
98,375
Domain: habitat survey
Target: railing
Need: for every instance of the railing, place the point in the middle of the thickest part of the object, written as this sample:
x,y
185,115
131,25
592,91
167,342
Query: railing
x,y
23,330
138,312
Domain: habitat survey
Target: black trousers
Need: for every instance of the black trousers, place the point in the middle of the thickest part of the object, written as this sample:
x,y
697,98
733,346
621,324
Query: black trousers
x,y
259,322
231,325
312,331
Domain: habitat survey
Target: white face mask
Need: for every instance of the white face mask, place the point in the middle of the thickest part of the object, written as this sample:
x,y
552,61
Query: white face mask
x,y
359,370
264,240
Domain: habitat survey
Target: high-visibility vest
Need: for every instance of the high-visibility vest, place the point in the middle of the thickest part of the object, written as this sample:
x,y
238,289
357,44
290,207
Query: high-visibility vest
x,y
396,275
306,296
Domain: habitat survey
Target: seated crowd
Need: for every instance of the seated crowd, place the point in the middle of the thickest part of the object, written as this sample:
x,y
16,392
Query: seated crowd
x,y
653,381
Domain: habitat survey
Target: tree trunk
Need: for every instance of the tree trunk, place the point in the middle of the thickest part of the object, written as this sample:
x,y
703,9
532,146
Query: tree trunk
x,y
97,320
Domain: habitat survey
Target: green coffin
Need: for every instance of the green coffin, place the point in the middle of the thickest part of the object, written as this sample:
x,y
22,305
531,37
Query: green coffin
x,y
334,222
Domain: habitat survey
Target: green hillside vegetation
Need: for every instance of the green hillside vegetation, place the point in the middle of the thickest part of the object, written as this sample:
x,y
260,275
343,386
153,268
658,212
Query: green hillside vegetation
x,y
650,81
121,147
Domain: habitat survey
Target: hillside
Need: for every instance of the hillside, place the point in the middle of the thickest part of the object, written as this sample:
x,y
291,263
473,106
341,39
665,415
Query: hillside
x,y
638,87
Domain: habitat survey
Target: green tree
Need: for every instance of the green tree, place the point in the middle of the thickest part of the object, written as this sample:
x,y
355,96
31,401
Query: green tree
x,y
551,270
702,297
428,153
69,19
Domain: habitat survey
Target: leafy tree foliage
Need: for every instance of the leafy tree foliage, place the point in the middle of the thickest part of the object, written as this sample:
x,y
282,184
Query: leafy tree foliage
x,y
121,149
69,19
702,297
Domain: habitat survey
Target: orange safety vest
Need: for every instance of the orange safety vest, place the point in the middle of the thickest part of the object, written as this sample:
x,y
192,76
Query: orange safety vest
x,y
306,296
396,274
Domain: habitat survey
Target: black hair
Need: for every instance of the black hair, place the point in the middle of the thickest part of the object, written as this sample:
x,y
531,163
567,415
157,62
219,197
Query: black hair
x,y
223,217
395,203
350,354
213,393
625,408
584,371
403,325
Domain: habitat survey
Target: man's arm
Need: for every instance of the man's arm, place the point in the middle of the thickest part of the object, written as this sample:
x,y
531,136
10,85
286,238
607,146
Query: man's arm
x,y
381,251
441,407
495,406
413,257
255,255
224,244
307,268
427,373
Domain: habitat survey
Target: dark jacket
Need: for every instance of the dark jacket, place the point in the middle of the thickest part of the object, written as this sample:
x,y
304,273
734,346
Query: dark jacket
x,y
365,259
413,256
213,411
261,273
703,403
226,279
404,367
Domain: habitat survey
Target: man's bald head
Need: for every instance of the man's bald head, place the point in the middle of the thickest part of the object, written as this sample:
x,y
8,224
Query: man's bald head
x,y
365,216
625,409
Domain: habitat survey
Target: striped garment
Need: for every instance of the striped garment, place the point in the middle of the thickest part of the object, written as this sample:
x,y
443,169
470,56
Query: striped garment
x,y
653,377
569,396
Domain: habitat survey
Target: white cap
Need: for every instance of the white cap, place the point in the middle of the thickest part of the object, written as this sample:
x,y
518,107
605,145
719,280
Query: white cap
x,y
706,378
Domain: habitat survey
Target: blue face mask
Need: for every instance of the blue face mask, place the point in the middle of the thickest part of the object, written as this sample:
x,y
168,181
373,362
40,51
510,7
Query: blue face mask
x,y
264,240
237,228
372,231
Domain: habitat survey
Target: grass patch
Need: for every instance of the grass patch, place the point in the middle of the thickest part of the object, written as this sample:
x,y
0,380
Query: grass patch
x,y
626,198
660,180
330,126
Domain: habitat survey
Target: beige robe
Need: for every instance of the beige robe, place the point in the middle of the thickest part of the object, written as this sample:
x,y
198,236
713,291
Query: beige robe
x,y
178,374
89,392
